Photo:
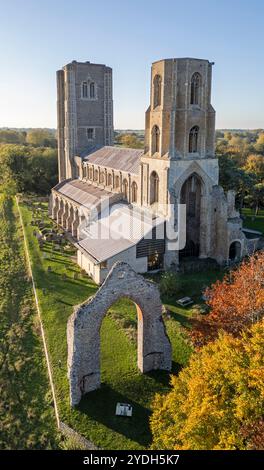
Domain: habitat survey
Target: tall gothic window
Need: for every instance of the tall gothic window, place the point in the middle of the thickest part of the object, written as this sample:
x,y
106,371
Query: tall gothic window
x,y
134,192
109,180
125,188
196,88
193,139
157,90
117,181
154,187
96,175
92,90
155,139
101,176
84,89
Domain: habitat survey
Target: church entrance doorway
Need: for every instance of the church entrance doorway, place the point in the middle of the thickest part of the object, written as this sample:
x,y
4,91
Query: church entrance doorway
x,y
191,196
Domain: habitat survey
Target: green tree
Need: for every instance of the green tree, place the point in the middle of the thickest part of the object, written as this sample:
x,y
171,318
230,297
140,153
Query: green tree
x,y
231,176
14,165
256,197
41,138
29,169
12,137
259,145
217,401
130,141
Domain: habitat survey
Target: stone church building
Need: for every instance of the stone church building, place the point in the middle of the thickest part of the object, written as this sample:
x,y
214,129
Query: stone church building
x,y
142,188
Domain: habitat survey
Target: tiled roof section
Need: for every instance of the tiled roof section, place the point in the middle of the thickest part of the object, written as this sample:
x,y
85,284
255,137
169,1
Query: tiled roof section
x,y
83,193
116,232
118,158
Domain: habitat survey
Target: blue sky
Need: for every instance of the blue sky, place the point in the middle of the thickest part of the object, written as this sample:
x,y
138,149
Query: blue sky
x,y
38,37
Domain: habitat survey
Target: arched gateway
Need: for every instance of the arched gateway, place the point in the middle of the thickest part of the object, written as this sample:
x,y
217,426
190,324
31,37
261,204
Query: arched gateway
x,y
83,331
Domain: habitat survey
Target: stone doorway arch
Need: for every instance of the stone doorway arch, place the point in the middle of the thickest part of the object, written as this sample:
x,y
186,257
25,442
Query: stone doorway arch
x,y
235,250
83,330
191,195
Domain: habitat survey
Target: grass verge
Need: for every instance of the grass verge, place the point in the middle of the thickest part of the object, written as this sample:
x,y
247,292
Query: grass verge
x,y
27,415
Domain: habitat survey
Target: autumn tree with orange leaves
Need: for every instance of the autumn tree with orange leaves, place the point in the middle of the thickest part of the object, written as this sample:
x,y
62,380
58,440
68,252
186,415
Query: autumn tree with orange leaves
x,y
235,302
217,401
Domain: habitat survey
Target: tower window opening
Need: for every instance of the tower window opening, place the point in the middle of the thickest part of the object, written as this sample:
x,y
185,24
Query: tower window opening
x,y
90,133
157,90
195,88
155,139
92,90
85,90
154,187
193,139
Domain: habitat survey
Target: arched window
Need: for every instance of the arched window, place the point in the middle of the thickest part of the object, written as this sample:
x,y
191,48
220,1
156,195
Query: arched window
x,y
117,182
90,173
92,90
235,251
125,188
154,187
155,139
193,139
101,177
84,89
96,175
134,192
196,88
109,180
85,171
157,91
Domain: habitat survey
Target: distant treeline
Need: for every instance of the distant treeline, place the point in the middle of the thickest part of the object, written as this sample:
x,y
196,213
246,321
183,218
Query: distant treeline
x,y
28,159
35,137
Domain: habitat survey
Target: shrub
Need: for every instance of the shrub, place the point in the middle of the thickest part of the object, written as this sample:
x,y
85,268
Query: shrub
x,y
171,284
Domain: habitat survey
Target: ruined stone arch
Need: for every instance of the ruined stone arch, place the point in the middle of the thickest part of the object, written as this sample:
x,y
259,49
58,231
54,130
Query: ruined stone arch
x,y
83,330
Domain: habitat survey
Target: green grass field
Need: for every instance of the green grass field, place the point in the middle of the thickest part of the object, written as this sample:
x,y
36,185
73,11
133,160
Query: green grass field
x,y
58,292
27,415
255,222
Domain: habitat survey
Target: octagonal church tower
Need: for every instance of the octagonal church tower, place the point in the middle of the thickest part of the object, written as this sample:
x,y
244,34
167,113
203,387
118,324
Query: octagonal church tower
x,y
179,160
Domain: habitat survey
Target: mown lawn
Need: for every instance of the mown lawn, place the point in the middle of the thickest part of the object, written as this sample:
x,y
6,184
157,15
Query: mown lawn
x,y
58,292
27,418
255,222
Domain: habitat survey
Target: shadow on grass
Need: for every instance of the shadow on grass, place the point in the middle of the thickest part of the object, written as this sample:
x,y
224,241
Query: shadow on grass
x,y
64,303
162,376
101,405
180,318
59,261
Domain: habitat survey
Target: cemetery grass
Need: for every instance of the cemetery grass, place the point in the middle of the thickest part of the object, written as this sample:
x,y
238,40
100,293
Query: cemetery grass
x,y
59,291
255,222
27,414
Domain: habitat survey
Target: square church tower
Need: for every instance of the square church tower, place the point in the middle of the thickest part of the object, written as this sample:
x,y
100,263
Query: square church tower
x,y
85,112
